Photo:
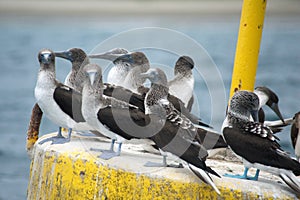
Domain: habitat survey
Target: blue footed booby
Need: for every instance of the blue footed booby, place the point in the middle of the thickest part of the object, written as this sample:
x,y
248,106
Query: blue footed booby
x,y
182,85
176,136
95,106
255,142
127,68
50,95
119,71
139,63
295,135
79,59
268,97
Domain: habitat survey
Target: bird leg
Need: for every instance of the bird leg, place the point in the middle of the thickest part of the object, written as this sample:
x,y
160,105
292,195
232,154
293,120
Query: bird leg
x,y
110,153
163,164
245,175
59,138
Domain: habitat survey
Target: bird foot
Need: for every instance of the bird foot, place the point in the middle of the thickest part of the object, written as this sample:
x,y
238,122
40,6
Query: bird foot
x,y
154,164
86,134
254,178
108,154
56,140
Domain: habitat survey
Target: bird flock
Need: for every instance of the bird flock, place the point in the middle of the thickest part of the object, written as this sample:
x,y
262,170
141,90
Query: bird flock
x,y
123,108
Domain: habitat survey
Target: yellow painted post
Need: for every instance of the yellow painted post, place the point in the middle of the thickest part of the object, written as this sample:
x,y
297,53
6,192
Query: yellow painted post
x,y
248,44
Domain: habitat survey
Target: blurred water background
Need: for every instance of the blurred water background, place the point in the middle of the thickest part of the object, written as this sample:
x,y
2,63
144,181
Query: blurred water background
x,y
22,36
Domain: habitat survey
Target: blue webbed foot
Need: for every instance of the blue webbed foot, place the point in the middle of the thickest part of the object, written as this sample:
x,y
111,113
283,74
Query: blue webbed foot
x,y
245,175
108,154
58,139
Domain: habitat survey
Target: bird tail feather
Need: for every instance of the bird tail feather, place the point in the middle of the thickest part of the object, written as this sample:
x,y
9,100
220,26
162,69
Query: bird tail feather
x,y
291,180
204,177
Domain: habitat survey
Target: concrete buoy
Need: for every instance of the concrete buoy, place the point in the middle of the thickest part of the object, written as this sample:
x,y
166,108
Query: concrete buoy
x,y
72,171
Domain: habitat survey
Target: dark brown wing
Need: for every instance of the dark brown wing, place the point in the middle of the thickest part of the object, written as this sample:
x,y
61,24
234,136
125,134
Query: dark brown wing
x,y
257,149
69,101
126,122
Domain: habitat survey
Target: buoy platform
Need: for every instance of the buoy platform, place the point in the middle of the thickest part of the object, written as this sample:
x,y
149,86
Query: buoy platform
x,y
73,171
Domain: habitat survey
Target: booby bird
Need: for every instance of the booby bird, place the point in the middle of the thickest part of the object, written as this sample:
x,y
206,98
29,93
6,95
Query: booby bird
x,y
267,97
255,142
175,135
50,95
128,66
139,63
119,71
178,136
79,59
295,135
182,85
94,104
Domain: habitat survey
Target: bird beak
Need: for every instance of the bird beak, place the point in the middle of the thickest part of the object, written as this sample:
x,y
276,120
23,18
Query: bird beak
x,y
92,77
106,56
65,54
145,75
275,108
254,114
46,59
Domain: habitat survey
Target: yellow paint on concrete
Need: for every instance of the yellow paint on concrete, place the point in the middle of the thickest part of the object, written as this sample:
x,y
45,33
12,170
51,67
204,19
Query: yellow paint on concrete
x,y
248,45
70,171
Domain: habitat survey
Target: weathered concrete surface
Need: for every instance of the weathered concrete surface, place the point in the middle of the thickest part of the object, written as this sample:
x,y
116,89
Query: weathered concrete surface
x,y
72,171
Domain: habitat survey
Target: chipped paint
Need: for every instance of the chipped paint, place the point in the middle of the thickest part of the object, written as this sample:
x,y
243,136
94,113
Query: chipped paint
x,y
69,171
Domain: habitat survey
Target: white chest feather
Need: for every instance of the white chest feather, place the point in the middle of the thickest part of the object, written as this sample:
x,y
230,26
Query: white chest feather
x,y
182,88
297,146
90,108
117,75
43,92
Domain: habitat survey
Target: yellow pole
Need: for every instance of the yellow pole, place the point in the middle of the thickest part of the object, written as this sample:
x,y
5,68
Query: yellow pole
x,y
248,44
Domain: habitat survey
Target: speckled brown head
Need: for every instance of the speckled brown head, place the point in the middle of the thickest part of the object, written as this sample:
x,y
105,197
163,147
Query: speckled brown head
x,y
184,65
134,59
76,56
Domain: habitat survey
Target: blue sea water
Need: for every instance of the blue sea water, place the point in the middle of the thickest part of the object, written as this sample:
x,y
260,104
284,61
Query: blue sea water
x,y
22,38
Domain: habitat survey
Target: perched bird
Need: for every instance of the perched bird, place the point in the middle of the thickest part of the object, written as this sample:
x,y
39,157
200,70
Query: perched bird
x,y
94,103
130,122
119,71
255,142
295,135
79,59
182,85
127,68
267,97
50,95
126,95
139,64
178,135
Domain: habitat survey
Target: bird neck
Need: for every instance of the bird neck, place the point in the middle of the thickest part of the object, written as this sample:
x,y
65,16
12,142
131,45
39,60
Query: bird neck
x,y
47,71
133,79
155,94
238,117
77,65
182,71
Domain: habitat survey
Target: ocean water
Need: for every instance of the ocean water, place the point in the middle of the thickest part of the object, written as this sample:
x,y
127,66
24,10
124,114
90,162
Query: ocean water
x,y
22,37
